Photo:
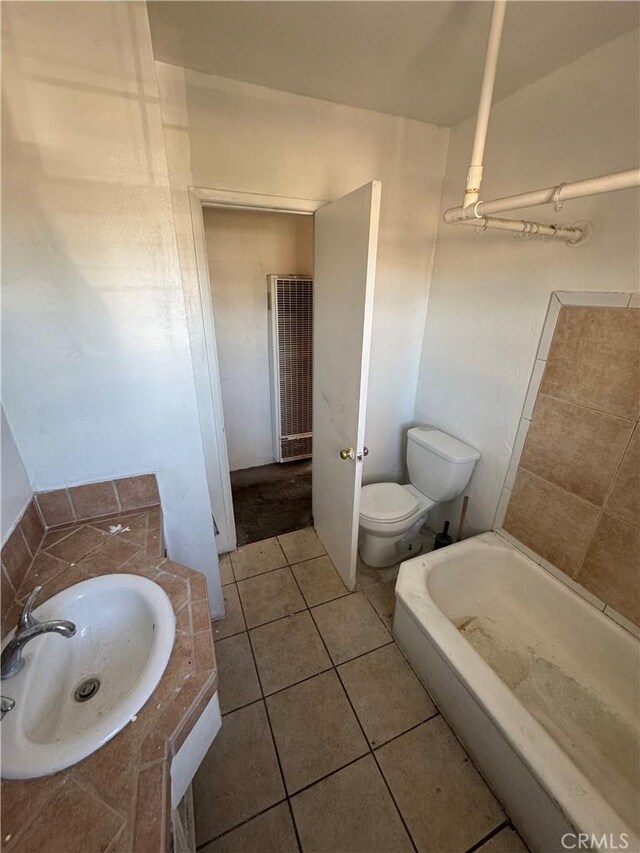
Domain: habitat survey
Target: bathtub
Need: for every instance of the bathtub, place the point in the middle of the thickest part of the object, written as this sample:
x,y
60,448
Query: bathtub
x,y
539,685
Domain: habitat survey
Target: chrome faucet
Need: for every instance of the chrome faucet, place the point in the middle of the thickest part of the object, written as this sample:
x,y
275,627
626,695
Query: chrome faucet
x,y
28,629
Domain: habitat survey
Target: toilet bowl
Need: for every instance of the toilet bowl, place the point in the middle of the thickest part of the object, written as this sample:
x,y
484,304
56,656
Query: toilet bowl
x,y
392,515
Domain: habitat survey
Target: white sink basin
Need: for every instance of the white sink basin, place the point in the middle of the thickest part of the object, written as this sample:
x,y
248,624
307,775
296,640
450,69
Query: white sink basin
x,y
125,631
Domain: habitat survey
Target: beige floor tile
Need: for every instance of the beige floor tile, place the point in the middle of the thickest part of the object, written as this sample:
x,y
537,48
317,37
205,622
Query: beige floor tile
x,y
270,832
233,621
386,695
226,572
256,558
301,545
271,596
383,598
350,627
350,812
288,650
237,676
315,730
319,581
444,801
239,776
505,841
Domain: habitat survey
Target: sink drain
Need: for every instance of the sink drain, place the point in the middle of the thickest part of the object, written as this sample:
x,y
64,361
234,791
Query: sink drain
x,y
87,690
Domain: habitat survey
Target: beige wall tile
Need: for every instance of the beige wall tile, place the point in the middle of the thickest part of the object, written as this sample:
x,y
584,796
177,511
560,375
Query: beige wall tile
x,y
593,359
94,500
624,500
576,448
552,522
55,507
611,568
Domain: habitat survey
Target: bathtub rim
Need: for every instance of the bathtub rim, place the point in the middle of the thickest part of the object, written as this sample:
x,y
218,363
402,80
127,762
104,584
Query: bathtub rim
x,y
539,752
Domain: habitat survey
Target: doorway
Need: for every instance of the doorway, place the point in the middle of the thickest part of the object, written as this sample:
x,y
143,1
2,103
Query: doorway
x,y
260,265
345,248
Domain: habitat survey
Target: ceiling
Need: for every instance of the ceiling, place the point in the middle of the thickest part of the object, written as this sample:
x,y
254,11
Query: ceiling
x,y
422,60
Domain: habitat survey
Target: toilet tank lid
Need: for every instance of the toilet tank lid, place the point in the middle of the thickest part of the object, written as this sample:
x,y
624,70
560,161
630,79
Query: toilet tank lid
x,y
444,445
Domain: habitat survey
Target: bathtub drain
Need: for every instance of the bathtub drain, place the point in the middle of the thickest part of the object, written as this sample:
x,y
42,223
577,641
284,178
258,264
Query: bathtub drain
x,y
87,690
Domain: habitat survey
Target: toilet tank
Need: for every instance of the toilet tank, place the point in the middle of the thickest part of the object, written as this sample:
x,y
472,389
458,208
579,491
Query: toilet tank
x,y
440,465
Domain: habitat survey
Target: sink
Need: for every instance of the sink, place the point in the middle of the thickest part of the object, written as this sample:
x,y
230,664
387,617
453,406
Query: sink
x,y
74,694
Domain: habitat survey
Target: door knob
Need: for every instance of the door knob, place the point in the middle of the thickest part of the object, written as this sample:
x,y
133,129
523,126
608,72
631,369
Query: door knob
x,y
347,453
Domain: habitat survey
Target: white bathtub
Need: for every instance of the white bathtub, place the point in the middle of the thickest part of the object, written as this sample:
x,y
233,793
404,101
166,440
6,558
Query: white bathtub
x,y
540,686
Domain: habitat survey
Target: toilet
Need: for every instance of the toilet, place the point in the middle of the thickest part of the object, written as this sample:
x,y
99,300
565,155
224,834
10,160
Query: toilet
x,y
391,515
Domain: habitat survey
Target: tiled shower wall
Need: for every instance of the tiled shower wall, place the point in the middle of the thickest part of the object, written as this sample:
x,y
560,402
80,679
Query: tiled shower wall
x,y
575,500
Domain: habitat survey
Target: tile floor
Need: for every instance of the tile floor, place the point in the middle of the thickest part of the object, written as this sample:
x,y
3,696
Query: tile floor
x,y
329,742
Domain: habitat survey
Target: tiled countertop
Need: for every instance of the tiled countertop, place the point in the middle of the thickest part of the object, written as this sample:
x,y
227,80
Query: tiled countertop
x,y
117,799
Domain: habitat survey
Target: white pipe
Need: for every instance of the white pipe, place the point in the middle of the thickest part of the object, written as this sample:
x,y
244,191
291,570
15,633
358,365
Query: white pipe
x,y
474,175
571,233
558,194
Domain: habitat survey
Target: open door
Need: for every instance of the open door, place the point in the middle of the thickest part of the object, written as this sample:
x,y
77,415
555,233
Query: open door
x,y
346,242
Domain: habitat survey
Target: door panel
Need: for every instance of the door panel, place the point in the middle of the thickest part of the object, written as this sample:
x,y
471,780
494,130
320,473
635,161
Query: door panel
x,y
346,241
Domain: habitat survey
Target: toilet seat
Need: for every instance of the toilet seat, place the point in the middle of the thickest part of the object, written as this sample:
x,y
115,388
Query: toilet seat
x,y
387,503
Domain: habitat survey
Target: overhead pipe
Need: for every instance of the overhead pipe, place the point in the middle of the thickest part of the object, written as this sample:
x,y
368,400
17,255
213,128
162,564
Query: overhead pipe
x,y
549,195
478,213
474,175
573,235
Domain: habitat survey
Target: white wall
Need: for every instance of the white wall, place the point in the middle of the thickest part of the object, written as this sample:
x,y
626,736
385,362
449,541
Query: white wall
x,y
489,293
14,483
229,135
243,247
97,370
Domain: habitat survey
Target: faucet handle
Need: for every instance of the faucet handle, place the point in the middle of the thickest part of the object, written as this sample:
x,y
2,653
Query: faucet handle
x,y
27,619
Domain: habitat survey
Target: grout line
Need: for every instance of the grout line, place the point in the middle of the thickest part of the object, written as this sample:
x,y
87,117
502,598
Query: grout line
x,y
294,824
242,823
371,750
584,406
561,488
366,739
603,508
266,711
334,668
505,823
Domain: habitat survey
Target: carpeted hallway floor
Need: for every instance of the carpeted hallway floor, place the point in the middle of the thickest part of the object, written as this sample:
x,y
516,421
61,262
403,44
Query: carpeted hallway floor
x,y
271,500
